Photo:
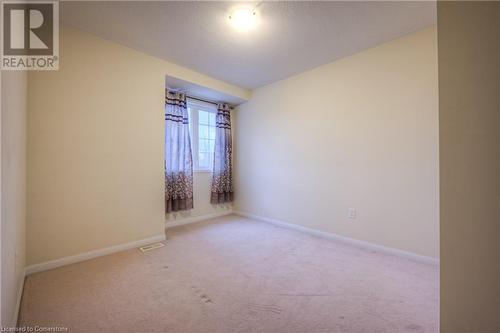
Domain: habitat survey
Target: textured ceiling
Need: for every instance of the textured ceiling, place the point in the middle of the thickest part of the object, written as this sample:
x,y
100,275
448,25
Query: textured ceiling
x,y
290,38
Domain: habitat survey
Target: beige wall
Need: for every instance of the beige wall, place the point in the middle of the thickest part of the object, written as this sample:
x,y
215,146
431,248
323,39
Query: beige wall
x,y
95,147
361,132
469,116
13,189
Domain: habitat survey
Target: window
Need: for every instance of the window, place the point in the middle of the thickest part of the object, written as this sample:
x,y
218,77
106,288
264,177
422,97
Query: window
x,y
202,128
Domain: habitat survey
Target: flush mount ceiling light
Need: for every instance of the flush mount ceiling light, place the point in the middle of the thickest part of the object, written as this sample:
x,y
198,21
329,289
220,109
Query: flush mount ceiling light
x,y
243,19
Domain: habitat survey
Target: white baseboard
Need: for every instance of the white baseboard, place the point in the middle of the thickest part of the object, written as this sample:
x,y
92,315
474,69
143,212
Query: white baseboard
x,y
91,254
117,248
194,219
19,297
343,239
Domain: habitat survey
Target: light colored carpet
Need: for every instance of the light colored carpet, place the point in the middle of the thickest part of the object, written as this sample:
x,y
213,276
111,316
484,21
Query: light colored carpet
x,y
237,275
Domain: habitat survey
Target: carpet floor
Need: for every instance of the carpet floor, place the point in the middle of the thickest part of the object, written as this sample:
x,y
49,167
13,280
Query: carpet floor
x,y
234,274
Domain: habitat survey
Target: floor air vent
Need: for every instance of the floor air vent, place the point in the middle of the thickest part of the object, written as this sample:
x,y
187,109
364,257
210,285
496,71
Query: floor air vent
x,y
151,247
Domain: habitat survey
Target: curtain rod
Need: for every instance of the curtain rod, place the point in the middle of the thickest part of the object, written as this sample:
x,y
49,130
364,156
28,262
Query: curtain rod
x,y
201,100
195,98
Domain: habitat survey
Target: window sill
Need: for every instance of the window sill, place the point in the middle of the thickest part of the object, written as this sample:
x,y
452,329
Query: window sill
x,y
202,171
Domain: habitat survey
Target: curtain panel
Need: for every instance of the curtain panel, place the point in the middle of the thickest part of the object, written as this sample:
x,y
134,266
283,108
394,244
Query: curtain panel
x,y
222,179
178,157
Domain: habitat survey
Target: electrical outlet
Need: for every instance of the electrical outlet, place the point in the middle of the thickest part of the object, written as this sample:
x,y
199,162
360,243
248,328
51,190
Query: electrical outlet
x,y
351,213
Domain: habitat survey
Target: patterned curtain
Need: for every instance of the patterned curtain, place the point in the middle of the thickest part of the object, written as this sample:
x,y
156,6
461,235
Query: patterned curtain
x,y
178,158
222,181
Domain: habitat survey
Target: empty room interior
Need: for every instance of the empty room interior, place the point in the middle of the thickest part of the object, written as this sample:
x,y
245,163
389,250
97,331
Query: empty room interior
x,y
300,167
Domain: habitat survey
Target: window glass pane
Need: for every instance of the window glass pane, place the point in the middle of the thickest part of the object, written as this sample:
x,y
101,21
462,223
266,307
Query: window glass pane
x,y
212,118
204,160
203,117
204,145
203,132
211,132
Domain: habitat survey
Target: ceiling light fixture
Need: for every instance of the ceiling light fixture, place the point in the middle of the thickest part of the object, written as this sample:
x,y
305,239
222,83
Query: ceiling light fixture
x,y
243,19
